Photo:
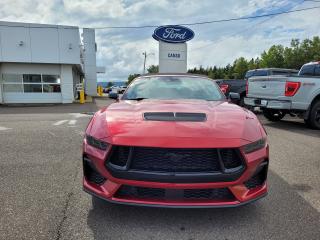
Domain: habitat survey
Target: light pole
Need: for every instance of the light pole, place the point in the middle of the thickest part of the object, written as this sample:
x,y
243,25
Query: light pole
x,y
145,60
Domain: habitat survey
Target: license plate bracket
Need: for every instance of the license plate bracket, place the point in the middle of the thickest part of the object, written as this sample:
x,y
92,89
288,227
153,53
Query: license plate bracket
x,y
261,102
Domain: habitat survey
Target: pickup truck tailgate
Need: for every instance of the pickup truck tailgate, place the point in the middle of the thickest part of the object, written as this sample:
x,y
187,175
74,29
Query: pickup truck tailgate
x,y
266,87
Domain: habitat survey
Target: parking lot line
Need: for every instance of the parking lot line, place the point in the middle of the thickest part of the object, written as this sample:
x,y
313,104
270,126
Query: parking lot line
x,y
4,128
72,122
60,122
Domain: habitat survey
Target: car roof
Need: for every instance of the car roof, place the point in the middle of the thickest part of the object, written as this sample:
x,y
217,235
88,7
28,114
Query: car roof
x,y
174,74
274,69
312,63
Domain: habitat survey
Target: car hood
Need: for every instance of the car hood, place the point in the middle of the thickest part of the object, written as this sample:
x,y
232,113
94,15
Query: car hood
x,y
226,124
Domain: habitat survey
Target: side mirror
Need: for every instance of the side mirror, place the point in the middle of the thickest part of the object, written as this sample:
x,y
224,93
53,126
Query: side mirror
x,y
234,97
113,95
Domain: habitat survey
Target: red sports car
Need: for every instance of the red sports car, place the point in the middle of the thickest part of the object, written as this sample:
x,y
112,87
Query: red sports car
x,y
174,140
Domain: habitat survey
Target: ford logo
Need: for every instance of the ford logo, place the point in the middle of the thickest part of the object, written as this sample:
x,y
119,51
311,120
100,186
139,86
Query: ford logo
x,y
173,34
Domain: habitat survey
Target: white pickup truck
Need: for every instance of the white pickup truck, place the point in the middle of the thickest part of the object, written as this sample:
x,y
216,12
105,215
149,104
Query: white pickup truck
x,y
297,95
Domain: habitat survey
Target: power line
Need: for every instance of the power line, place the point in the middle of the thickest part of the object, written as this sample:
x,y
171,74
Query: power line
x,y
232,35
214,21
242,31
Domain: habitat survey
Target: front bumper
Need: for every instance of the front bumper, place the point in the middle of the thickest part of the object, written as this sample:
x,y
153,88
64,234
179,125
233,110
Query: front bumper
x,y
248,187
268,103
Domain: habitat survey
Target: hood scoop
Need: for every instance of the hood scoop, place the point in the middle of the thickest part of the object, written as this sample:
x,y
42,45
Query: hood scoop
x,y
175,116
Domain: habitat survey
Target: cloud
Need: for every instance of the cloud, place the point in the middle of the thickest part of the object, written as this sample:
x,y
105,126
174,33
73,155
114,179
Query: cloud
x,y
120,50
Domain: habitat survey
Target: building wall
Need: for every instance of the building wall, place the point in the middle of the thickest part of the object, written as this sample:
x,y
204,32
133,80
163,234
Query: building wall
x,y
63,70
90,67
39,43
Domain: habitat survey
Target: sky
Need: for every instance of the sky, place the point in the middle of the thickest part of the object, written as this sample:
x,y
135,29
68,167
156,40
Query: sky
x,y
120,50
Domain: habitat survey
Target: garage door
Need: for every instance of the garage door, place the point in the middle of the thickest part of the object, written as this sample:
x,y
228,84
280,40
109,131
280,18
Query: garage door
x,y
31,88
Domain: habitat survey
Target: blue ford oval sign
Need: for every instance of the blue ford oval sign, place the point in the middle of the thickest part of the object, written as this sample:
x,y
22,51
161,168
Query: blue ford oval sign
x,y
173,34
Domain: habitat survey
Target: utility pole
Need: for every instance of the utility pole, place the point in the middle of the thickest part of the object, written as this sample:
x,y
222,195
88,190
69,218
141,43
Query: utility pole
x,y
145,60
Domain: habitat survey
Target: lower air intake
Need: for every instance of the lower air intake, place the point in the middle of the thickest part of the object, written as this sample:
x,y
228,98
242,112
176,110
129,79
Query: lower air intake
x,y
143,193
90,172
259,178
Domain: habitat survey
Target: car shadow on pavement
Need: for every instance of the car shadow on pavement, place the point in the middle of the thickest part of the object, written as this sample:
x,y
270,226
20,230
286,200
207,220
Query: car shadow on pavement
x,y
294,126
283,214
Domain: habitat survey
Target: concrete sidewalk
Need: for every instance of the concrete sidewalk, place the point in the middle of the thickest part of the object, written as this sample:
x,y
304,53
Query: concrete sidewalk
x,y
95,105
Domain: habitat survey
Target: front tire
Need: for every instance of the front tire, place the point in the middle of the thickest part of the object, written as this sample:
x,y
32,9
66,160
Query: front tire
x,y
273,115
313,120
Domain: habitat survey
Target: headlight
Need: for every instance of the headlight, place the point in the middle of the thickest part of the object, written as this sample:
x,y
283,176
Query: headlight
x,y
96,143
251,147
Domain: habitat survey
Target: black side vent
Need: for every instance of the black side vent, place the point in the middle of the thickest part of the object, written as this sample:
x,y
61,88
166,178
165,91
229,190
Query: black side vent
x,y
171,116
259,177
91,173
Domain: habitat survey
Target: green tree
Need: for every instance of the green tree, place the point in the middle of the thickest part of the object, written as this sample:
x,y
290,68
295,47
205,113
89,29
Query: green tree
x,y
131,77
274,57
110,84
153,69
240,67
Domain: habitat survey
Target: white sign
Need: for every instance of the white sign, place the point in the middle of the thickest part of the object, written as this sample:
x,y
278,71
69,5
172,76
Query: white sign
x,y
172,57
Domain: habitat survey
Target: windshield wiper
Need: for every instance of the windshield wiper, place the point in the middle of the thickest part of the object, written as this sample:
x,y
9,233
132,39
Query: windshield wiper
x,y
137,99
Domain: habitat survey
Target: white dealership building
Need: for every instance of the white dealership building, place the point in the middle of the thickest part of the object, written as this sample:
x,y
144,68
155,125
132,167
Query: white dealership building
x,y
42,63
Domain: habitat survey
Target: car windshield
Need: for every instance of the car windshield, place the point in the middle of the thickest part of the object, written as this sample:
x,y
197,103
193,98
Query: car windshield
x,y
256,73
173,87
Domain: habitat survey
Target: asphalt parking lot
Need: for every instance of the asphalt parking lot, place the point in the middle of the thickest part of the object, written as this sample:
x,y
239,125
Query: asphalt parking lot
x,y
41,193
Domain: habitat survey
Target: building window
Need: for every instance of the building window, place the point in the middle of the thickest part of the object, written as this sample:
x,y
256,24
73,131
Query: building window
x,y
12,88
33,88
51,88
51,79
31,83
12,78
31,78
12,83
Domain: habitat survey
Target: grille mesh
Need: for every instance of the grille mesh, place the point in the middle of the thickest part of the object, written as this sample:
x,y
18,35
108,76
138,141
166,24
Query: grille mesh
x,y
175,160
258,179
255,181
127,191
217,193
230,158
91,173
119,155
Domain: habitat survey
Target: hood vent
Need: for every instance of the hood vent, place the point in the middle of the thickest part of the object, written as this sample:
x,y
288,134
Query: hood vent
x,y
172,116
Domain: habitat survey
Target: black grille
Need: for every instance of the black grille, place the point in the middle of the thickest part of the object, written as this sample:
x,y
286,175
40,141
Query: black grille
x,y
180,165
90,172
119,155
175,160
126,191
141,192
230,158
217,193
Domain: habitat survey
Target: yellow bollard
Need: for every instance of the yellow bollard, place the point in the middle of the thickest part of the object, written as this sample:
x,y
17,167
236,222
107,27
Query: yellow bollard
x,y
101,90
82,100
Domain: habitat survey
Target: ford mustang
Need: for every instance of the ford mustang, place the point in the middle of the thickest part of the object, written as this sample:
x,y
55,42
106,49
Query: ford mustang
x,y
174,140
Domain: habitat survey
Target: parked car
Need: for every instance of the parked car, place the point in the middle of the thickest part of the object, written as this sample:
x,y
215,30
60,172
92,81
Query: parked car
x,y
122,89
173,140
269,72
107,90
239,85
114,89
233,85
296,95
